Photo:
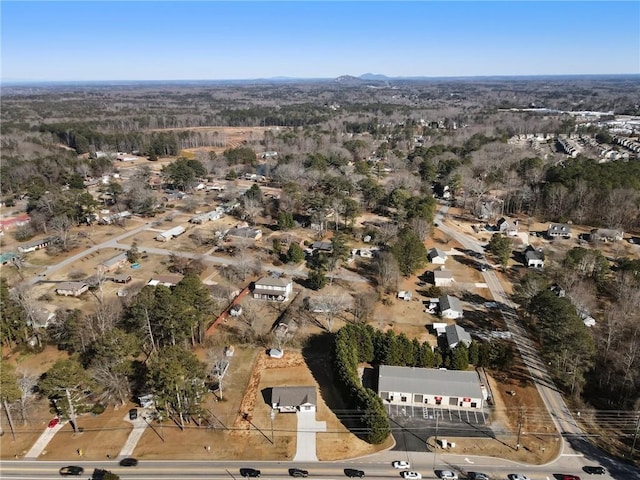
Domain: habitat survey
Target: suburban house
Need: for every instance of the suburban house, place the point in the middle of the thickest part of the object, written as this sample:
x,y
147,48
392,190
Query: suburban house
x,y
14,222
113,263
442,277
456,334
561,230
507,227
34,245
125,157
316,304
294,399
325,247
437,256
412,386
450,307
171,233
109,219
275,289
166,280
245,232
73,289
606,235
121,278
534,258
206,217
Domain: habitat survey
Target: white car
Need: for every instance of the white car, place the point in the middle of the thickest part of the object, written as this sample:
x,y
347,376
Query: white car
x,y
400,464
517,476
411,475
449,475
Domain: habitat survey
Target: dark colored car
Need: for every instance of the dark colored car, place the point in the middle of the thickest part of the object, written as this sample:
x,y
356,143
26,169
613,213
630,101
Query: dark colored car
x,y
133,414
352,473
570,477
128,462
594,470
249,472
298,473
71,470
477,476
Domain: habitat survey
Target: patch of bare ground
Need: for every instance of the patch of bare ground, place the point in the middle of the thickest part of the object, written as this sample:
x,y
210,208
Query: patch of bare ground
x,y
25,435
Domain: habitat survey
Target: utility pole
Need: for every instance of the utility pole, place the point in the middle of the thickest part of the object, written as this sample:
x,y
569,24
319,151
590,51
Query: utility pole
x,y
519,429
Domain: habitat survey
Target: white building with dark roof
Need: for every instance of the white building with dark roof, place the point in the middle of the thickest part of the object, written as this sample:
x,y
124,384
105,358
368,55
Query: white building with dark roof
x,y
437,256
442,277
412,386
277,289
561,230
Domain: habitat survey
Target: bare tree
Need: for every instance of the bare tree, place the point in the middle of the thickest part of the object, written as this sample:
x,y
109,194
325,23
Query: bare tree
x,y
27,382
363,306
116,387
421,227
62,225
334,305
387,268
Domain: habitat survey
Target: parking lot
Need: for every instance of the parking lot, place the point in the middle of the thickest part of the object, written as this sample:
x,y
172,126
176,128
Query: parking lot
x,y
412,426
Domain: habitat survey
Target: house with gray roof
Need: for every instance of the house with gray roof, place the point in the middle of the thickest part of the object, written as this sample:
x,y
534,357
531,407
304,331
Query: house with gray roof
x,y
294,399
412,386
559,230
534,258
456,334
606,235
74,289
34,245
113,263
277,289
507,227
437,256
450,307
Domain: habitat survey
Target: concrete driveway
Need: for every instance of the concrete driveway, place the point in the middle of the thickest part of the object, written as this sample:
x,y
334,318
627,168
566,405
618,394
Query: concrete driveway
x,y
306,437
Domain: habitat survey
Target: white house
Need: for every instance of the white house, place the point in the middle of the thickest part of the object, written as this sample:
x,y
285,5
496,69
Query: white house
x,y
606,235
276,289
34,245
412,386
442,277
534,257
294,399
209,216
74,289
507,227
437,256
559,230
171,233
450,307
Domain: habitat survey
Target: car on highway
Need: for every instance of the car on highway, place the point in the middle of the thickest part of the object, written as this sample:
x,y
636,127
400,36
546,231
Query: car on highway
x,y
129,462
298,473
517,476
448,474
477,476
400,464
249,472
411,475
71,470
570,477
353,472
594,470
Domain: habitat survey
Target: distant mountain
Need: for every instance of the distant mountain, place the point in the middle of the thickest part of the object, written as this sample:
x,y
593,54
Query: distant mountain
x,y
349,80
374,76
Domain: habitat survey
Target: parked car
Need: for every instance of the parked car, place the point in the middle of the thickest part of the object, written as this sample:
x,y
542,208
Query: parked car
x,y
482,267
298,473
594,470
133,414
55,421
352,472
128,462
448,474
570,477
477,476
249,472
517,476
411,475
400,464
71,470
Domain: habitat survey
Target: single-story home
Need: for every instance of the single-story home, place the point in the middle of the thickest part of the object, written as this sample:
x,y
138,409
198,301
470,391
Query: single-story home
x,y
245,232
7,257
10,223
273,288
123,278
171,233
437,256
34,245
442,277
207,217
450,307
606,235
412,386
74,289
561,230
293,399
325,247
534,257
456,334
166,280
113,263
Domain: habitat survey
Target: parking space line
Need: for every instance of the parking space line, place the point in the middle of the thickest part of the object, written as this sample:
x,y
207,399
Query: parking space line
x,y
475,414
468,419
449,410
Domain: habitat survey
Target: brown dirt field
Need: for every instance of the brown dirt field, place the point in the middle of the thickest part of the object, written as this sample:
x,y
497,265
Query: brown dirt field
x,y
26,435
102,434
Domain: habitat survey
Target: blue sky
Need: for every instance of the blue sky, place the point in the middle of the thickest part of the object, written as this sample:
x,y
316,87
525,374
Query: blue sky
x,y
152,40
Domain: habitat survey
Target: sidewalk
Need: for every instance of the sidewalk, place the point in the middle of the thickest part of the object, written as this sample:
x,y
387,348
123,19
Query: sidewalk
x,y
42,442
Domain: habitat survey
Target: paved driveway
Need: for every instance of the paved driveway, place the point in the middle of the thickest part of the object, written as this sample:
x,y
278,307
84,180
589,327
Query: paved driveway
x,y
306,438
